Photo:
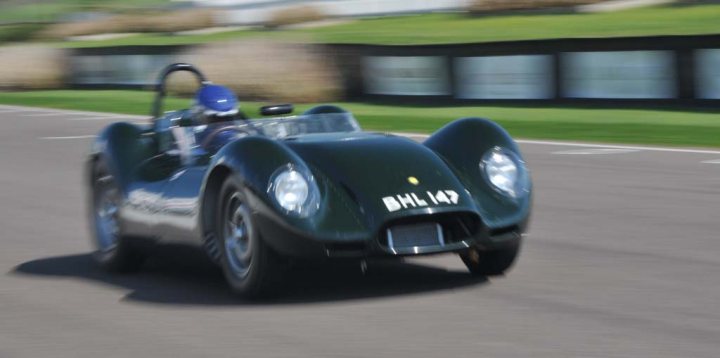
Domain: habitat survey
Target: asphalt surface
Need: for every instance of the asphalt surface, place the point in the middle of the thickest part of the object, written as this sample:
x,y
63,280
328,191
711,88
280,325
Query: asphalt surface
x,y
622,260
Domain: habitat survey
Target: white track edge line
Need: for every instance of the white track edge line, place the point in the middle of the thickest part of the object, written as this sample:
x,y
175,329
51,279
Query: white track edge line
x,y
591,145
525,141
631,147
69,111
70,137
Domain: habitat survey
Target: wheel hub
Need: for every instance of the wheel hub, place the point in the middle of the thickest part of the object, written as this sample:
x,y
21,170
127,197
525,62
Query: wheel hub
x,y
238,245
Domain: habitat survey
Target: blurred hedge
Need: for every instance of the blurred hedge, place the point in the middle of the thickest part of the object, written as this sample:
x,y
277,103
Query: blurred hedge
x,y
294,15
173,21
31,67
265,70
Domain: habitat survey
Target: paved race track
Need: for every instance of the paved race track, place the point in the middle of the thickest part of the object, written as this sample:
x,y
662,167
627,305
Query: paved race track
x,y
622,260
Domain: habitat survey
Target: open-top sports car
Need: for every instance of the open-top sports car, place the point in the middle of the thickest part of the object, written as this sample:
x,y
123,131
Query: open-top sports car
x,y
256,193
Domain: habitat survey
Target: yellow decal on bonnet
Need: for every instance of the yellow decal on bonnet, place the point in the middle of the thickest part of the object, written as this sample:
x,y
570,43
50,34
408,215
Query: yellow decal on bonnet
x,y
413,180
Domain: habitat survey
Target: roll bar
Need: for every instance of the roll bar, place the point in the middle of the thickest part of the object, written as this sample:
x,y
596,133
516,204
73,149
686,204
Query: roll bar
x,y
162,79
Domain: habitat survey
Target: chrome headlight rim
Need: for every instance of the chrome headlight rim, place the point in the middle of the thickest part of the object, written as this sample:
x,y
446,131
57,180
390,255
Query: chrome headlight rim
x,y
309,205
521,185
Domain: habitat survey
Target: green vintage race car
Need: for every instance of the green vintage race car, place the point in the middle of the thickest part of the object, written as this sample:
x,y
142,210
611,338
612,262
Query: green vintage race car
x,y
256,193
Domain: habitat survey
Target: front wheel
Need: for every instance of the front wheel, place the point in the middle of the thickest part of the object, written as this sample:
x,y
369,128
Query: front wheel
x,y
250,267
490,263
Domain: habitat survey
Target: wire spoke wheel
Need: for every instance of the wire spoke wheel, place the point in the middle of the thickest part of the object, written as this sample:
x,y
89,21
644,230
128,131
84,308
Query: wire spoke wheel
x,y
106,207
237,236
250,267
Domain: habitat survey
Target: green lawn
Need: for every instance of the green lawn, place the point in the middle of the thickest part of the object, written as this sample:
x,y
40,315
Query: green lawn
x,y
20,21
51,10
32,12
461,28
689,127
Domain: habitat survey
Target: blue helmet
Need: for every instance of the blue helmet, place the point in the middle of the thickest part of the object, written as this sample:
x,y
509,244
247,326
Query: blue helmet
x,y
214,101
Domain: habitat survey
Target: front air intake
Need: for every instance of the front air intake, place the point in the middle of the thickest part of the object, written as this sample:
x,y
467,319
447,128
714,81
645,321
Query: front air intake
x,y
429,230
415,235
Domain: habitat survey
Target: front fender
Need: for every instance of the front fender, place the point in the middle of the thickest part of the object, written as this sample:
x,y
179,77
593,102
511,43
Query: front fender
x,y
254,160
462,144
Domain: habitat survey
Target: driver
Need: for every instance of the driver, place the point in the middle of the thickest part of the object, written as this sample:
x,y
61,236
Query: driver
x,y
213,104
213,110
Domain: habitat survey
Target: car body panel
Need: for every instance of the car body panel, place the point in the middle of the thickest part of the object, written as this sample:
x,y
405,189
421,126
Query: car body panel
x,y
368,182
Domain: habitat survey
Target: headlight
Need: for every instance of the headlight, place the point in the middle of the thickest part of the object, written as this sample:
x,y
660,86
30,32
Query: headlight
x,y
505,171
294,191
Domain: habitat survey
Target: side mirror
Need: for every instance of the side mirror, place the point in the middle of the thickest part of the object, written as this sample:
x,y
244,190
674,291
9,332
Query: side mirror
x,y
276,109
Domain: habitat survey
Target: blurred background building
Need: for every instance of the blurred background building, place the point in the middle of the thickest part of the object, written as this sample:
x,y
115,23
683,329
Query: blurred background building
x,y
443,51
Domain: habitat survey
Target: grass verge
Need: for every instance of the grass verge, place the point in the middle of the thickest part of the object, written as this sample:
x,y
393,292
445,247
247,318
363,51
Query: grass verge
x,y
461,28
52,10
677,127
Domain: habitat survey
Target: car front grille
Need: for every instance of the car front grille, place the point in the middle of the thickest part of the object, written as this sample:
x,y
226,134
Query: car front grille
x,y
415,235
411,234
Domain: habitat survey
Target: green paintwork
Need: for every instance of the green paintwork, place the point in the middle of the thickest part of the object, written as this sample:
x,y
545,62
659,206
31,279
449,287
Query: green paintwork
x,y
354,172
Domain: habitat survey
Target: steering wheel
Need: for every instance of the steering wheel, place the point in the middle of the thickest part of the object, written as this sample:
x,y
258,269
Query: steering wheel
x,y
162,79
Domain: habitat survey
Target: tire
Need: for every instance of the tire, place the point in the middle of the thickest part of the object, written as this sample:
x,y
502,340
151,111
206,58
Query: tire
x,y
251,268
112,250
490,263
